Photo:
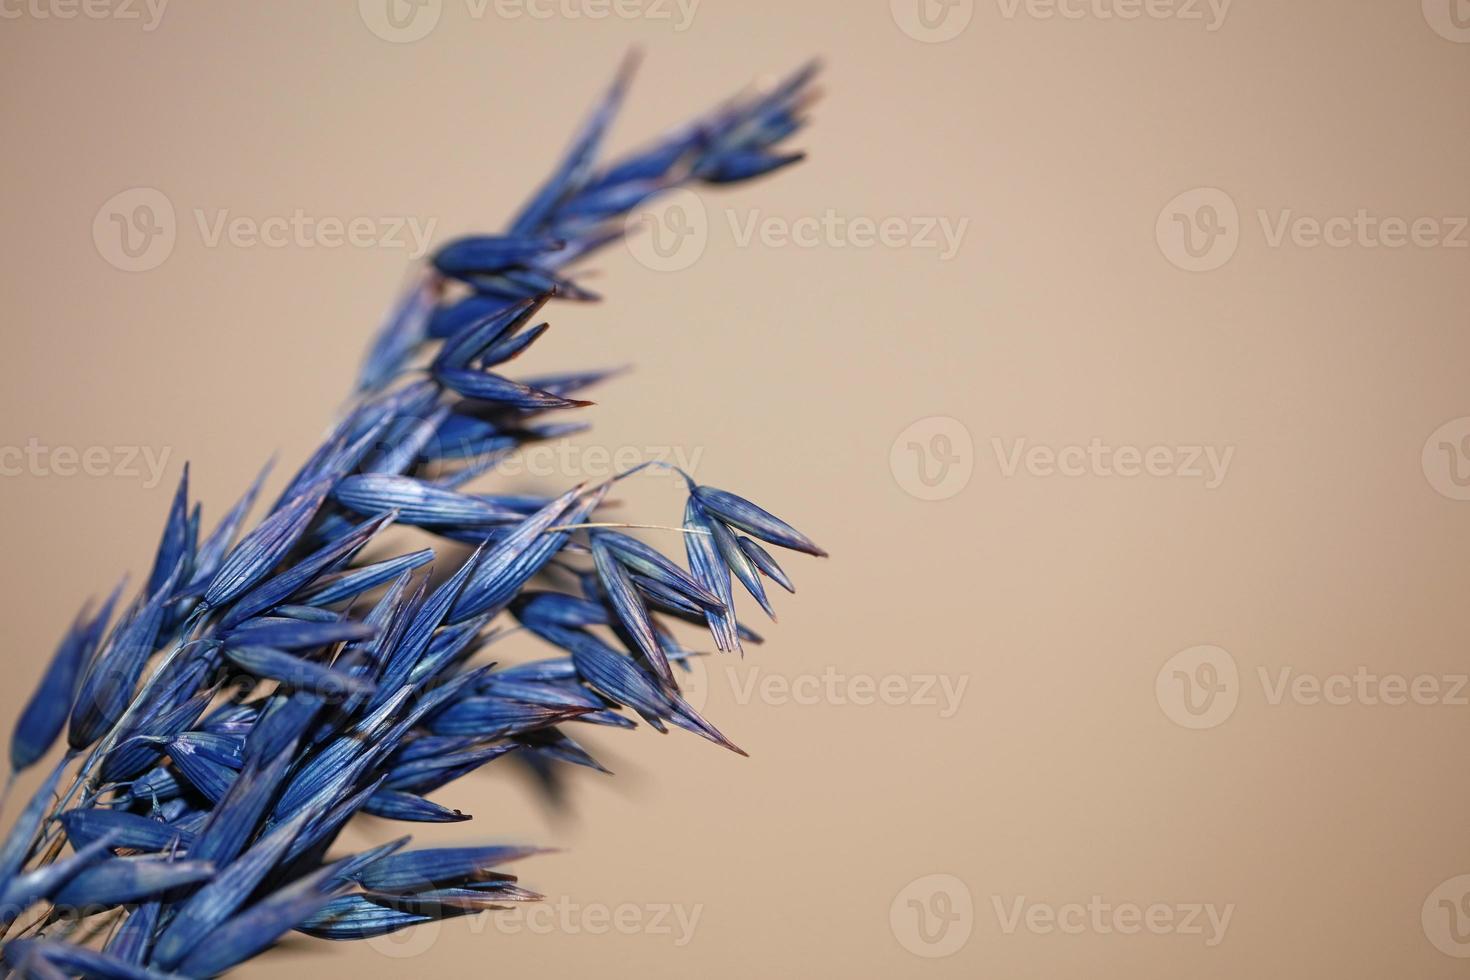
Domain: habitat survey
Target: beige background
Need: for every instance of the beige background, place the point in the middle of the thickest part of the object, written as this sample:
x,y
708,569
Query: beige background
x,y
1056,600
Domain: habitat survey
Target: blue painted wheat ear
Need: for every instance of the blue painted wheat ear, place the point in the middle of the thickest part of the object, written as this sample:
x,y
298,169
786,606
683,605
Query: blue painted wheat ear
x,y
264,688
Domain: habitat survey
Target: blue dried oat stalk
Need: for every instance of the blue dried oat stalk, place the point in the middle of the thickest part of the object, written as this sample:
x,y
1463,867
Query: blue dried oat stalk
x,y
262,689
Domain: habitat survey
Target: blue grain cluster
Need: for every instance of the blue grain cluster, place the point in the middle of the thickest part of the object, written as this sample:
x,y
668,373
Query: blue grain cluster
x,y
269,682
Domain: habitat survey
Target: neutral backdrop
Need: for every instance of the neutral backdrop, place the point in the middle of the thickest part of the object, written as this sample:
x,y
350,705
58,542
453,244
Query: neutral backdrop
x,y
1144,490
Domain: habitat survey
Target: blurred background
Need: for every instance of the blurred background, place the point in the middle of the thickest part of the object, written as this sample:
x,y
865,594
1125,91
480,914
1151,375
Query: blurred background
x,y
1116,350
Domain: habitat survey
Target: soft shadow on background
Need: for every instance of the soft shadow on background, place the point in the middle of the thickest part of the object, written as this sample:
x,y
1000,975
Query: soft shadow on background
x,y
1116,351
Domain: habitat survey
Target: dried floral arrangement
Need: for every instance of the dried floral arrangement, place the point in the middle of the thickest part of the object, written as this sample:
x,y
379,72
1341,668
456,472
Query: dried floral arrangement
x,y
264,687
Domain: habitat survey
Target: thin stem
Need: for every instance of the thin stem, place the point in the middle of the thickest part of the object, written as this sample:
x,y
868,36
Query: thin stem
x,y
650,527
